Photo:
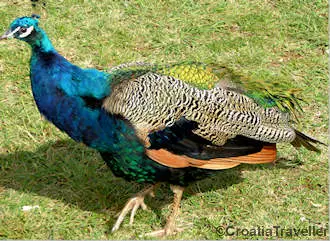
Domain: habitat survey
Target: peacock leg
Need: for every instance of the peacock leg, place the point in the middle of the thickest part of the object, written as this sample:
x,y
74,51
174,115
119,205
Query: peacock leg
x,y
170,227
133,204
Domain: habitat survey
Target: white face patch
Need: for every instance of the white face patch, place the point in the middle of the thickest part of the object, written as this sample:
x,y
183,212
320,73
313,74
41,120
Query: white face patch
x,y
27,33
10,35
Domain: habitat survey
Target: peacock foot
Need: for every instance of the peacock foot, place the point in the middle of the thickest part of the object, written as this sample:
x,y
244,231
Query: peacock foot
x,y
166,231
170,227
133,205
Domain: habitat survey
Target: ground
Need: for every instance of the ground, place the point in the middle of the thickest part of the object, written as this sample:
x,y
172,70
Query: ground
x,y
77,196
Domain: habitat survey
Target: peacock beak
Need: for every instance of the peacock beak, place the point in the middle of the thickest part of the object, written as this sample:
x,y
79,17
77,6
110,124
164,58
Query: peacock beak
x,y
4,36
9,33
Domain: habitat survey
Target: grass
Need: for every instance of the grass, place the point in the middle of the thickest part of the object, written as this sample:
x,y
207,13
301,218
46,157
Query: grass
x,y
77,194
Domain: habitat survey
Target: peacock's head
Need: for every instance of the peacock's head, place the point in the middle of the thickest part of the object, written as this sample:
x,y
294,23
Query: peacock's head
x,y
23,28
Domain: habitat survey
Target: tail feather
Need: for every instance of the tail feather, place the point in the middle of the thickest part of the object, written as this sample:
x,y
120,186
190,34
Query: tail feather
x,y
306,141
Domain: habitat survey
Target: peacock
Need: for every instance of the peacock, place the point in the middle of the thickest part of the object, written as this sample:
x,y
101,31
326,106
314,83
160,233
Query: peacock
x,y
154,123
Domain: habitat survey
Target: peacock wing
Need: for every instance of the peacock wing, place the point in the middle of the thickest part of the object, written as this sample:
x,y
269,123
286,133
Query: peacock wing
x,y
159,106
208,76
183,121
153,101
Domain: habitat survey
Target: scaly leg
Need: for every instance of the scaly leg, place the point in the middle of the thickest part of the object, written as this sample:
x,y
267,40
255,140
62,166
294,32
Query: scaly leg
x,y
133,204
170,227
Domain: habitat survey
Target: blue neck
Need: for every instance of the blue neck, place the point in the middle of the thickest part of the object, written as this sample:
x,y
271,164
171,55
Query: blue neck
x,y
71,97
41,43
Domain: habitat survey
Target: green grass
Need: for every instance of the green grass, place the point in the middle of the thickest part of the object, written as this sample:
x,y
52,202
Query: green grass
x,y
78,195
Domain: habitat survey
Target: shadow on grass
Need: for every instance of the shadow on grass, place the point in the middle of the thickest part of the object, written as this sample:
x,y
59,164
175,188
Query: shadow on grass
x,y
72,173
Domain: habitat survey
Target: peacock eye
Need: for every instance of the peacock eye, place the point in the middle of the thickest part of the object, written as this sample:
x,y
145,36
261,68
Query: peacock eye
x,y
22,30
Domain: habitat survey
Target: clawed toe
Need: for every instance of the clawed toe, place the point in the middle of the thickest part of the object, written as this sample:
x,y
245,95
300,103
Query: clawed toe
x,y
139,202
164,232
132,206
